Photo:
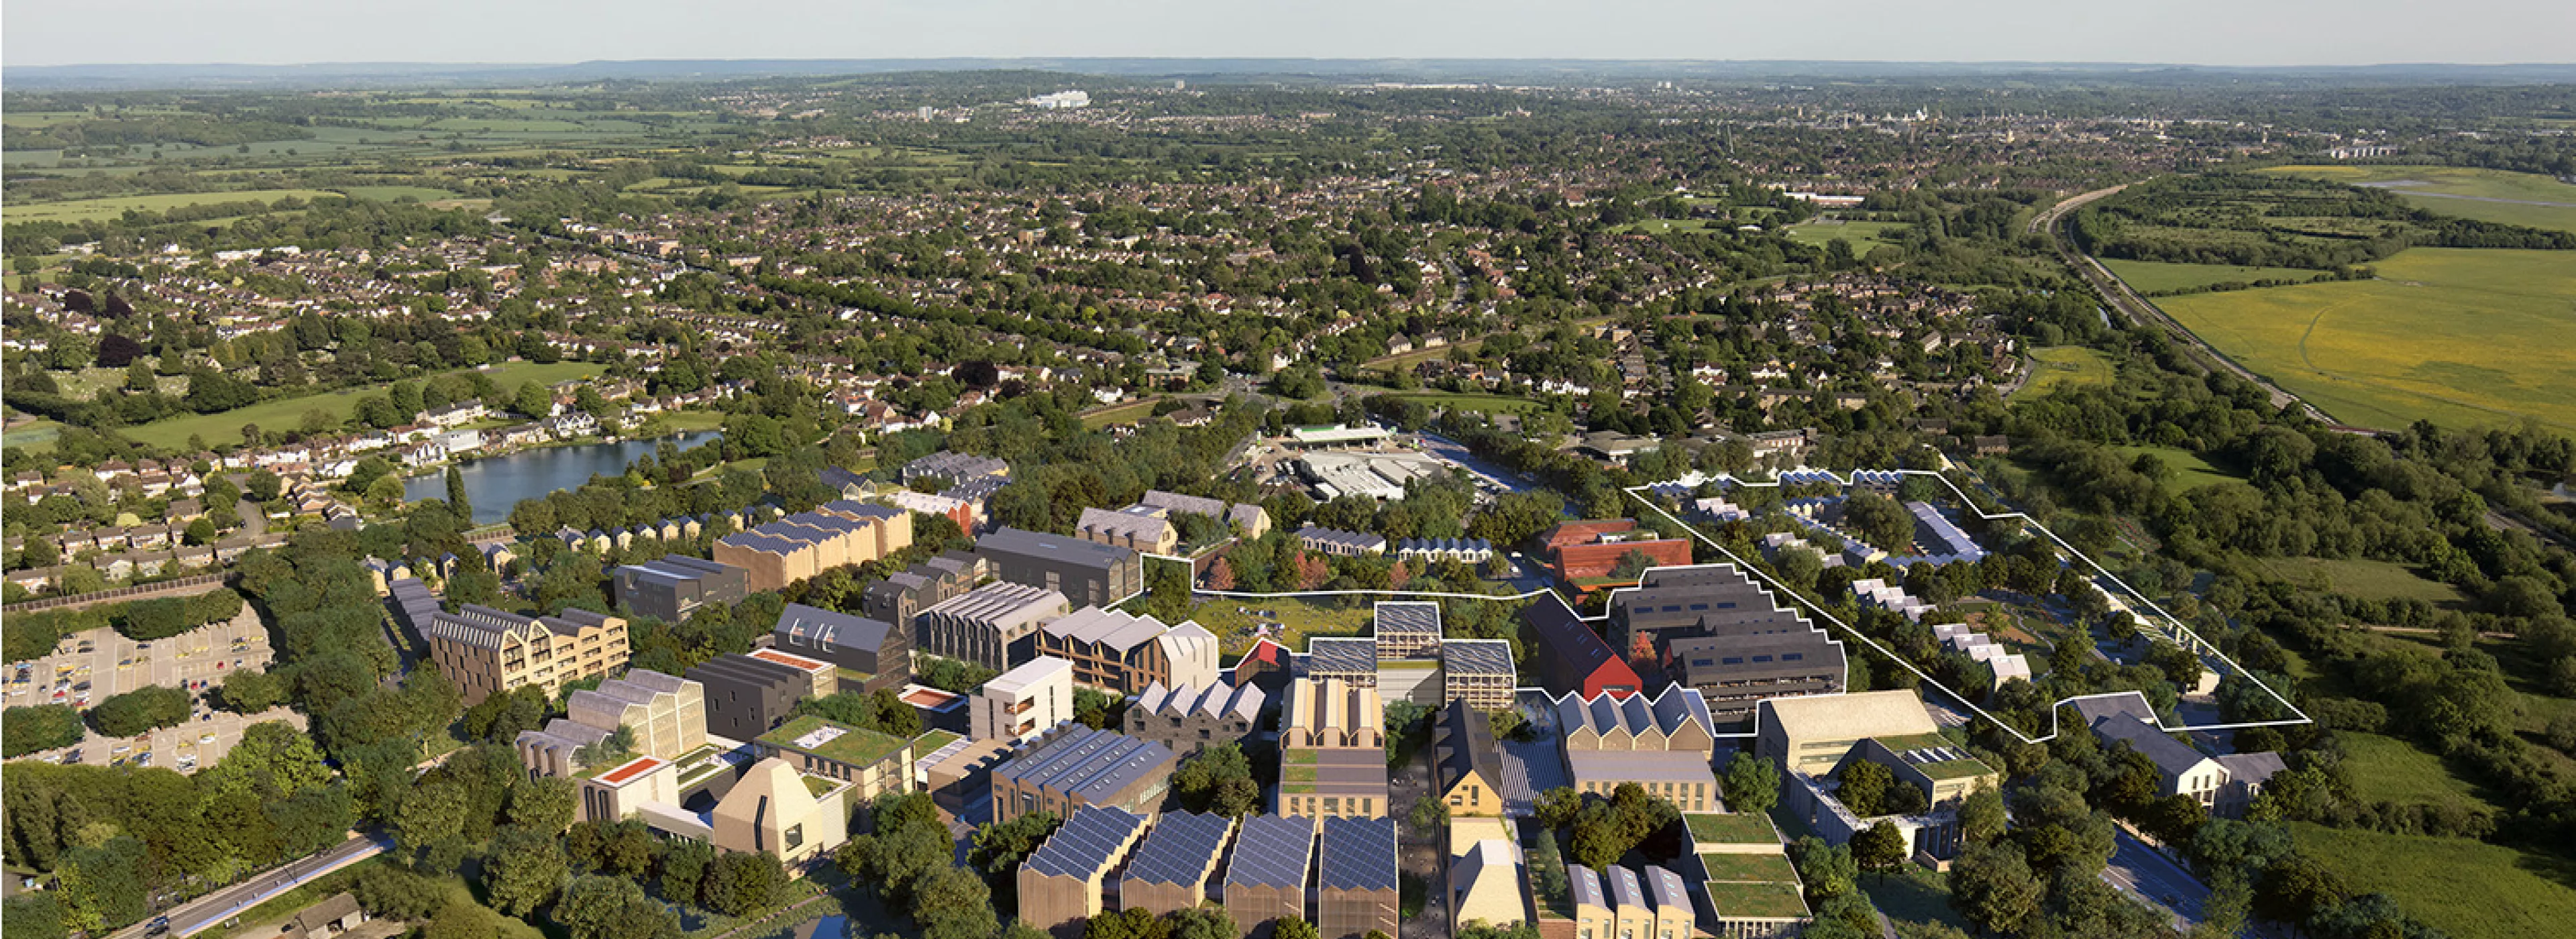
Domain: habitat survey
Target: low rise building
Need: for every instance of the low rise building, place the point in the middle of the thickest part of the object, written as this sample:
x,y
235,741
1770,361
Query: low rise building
x,y
750,694
675,586
1023,702
1265,879
1077,766
1332,749
1356,878
1124,653
995,625
1665,745
870,762
1086,573
1060,885
1170,871
871,654
1192,718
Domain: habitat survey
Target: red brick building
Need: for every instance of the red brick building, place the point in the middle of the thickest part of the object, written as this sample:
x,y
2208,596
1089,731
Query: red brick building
x,y
1584,553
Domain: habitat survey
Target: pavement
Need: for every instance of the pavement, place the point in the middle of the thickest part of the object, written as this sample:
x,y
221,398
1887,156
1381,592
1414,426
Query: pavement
x,y
197,915
2140,872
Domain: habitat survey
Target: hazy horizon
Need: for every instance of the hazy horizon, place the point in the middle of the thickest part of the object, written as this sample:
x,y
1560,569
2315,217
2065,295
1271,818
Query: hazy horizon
x,y
486,33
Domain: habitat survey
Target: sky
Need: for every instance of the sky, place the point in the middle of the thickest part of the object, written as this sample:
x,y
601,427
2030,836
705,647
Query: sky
x,y
2199,32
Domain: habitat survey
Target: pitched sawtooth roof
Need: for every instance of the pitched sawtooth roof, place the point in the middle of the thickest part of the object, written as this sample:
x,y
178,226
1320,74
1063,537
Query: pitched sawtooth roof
x,y
1273,851
1087,844
1358,854
1606,713
481,626
1181,850
1101,626
1212,701
1094,764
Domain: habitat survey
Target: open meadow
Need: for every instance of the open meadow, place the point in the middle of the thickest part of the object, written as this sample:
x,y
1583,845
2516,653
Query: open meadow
x,y
2468,192
2056,366
173,433
2466,888
2464,337
2160,277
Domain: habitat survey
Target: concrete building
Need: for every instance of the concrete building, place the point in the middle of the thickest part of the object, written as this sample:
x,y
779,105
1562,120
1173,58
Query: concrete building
x,y
1023,702
1810,736
1356,878
1087,574
1192,718
1332,747
1265,879
750,694
487,651
1665,745
808,543
672,588
1078,766
871,654
1712,628
1170,871
995,625
771,809
1124,653
1060,883
870,762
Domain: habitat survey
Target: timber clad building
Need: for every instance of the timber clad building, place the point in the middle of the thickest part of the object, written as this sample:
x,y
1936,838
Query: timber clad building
x,y
1060,883
1125,653
808,543
488,651
994,625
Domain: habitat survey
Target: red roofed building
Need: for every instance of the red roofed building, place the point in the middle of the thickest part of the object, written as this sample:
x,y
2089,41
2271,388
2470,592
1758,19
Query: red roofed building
x,y
1268,664
1584,553
1573,658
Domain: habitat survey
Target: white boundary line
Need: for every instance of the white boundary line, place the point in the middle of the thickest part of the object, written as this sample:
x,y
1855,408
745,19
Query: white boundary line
x,y
2054,720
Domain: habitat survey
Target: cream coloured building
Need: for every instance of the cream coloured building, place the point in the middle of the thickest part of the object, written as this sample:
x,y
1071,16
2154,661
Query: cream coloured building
x,y
770,809
487,651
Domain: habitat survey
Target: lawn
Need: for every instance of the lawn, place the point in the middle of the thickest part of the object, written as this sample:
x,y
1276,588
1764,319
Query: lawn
x,y
2373,580
1459,401
1292,619
1119,414
391,193
2156,277
2469,889
1748,867
1862,235
2463,191
2189,470
173,433
2463,337
80,209
2055,366
2386,769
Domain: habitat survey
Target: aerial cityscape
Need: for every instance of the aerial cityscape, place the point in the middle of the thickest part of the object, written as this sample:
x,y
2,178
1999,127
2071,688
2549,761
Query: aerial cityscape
x,y
1213,478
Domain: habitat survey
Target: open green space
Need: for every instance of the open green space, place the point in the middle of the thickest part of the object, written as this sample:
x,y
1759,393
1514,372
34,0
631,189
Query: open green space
x,y
2386,769
2189,470
1122,414
392,193
2155,277
2465,191
2463,337
930,742
1461,401
2469,889
1292,620
1862,235
2373,580
79,209
173,433
2054,366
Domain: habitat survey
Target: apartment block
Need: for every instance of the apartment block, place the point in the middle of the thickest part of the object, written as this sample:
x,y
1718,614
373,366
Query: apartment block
x,y
1086,573
994,625
1125,653
802,545
487,651
1023,702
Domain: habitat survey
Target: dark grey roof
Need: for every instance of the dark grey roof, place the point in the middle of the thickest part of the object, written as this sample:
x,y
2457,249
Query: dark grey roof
x,y
2095,708
1093,764
1086,844
1477,657
1337,655
822,627
1273,851
1181,849
2170,755
1066,548
1358,853
1467,746
1586,886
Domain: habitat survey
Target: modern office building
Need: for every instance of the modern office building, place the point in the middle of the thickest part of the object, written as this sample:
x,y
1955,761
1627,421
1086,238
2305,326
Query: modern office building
x,y
1124,653
1811,735
750,694
1265,878
1192,718
487,651
1406,628
1077,766
1665,745
1060,883
1023,702
1712,628
1170,871
871,654
808,543
1356,877
771,809
1479,672
1086,573
995,625
675,586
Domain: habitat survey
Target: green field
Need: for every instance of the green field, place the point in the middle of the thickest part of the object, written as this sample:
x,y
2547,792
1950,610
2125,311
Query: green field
x,y
2055,366
391,193
2463,337
2469,889
1292,619
2189,470
1120,414
2372,580
2157,277
2522,198
2386,769
1862,235
79,209
1457,401
173,433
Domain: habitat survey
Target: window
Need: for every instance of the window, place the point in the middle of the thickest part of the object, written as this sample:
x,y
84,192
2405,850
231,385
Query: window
x,y
1793,656
1733,660
795,837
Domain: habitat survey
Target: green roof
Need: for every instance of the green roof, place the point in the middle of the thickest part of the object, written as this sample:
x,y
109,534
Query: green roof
x,y
854,746
1757,900
819,786
1908,743
1732,828
930,742
1757,868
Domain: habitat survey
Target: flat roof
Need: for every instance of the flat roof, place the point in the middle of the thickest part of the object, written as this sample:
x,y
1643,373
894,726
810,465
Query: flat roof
x,y
1767,900
1731,828
790,660
852,745
633,769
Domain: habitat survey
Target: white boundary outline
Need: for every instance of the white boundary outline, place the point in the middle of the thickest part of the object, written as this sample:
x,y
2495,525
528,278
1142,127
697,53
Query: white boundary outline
x,y
2054,720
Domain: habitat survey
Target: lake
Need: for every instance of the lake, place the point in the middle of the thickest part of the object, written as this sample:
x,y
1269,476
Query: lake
x,y
499,484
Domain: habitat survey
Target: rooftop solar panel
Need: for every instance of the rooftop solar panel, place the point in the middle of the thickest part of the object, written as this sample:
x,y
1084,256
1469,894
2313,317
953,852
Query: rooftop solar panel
x,y
1086,844
1180,850
1273,851
1359,853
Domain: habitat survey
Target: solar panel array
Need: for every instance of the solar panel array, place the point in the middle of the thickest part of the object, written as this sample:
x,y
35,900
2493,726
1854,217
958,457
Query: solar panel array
x,y
1094,764
1408,617
1273,851
1180,850
1359,853
1086,844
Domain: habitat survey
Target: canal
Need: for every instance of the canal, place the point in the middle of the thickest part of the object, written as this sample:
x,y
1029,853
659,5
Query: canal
x,y
498,484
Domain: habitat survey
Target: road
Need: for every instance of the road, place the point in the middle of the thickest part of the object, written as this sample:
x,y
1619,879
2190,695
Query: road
x,y
2140,872
1456,452
197,915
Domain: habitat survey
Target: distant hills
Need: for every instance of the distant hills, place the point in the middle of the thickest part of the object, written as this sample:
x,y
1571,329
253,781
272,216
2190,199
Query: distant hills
x,y
1505,71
